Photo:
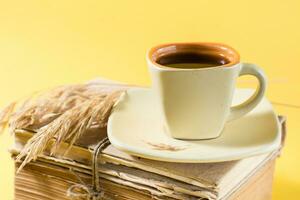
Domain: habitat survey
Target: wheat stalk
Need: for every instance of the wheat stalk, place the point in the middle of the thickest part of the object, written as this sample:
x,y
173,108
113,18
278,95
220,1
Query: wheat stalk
x,y
5,114
62,114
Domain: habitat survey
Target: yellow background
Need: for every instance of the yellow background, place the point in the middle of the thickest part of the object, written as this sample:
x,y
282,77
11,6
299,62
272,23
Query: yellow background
x,y
48,43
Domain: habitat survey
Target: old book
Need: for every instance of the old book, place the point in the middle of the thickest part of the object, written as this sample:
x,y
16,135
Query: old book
x,y
127,177
34,183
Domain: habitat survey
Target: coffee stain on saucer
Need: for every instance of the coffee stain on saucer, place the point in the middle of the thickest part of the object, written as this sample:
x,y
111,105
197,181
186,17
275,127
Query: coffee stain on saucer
x,y
165,147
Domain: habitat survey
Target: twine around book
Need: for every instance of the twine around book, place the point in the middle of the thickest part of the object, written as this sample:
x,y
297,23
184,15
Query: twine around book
x,y
83,191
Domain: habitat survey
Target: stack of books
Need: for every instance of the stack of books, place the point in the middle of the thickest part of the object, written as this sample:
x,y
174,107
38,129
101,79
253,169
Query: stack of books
x,y
121,176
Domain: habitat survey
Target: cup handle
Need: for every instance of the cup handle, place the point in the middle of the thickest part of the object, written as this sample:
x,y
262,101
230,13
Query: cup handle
x,y
245,107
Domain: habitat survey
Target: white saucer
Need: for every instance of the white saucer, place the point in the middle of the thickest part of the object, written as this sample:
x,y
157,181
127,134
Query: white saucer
x,y
135,127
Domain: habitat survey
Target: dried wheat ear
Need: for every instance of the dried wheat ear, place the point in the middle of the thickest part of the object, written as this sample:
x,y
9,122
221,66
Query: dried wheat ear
x,y
62,114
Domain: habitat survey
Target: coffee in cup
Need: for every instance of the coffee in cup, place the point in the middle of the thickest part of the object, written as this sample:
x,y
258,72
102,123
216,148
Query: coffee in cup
x,y
194,85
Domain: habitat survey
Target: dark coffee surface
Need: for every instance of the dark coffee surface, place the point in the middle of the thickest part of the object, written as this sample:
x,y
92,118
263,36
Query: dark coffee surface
x,y
191,60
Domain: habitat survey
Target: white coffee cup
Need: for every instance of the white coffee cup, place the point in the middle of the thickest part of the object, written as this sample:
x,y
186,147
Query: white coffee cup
x,y
194,85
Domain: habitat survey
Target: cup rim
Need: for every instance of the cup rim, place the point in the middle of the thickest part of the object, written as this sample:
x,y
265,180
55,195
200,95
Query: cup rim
x,y
232,55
